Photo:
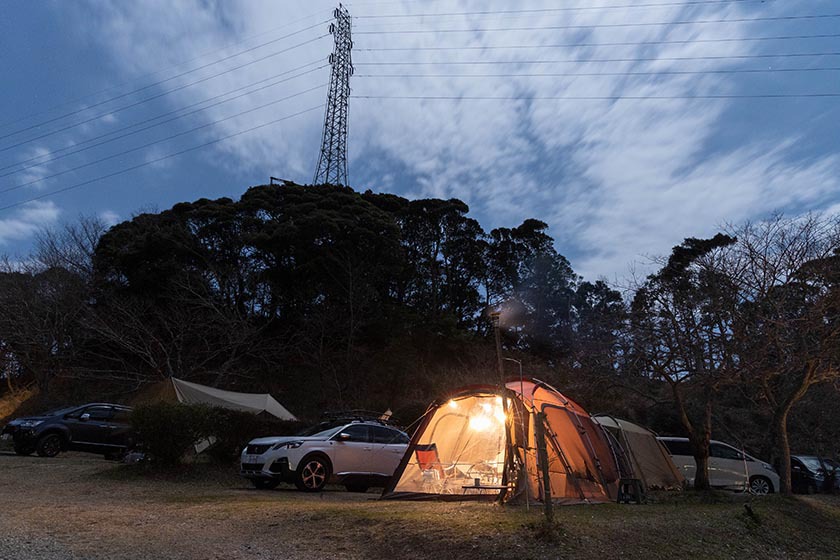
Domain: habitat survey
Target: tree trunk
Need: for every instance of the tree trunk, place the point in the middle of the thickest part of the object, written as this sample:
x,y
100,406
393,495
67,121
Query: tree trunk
x,y
701,476
783,449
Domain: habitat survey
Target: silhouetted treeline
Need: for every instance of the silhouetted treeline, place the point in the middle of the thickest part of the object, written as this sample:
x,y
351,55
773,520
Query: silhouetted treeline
x,y
331,298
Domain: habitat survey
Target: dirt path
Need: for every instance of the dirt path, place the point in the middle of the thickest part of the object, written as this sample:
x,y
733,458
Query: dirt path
x,y
79,507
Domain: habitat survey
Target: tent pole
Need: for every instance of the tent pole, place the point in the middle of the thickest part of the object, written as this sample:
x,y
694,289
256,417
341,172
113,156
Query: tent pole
x,y
542,457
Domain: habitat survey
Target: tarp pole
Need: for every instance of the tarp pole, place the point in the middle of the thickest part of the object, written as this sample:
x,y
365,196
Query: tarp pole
x,y
542,457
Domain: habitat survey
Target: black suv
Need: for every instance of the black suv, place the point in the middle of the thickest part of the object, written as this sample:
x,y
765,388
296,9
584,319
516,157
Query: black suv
x,y
97,427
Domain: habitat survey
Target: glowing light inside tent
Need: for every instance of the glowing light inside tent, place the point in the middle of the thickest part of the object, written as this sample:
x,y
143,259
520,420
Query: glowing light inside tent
x,y
480,423
453,404
485,413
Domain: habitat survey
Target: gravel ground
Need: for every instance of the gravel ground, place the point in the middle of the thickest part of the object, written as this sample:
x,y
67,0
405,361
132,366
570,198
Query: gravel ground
x,y
81,507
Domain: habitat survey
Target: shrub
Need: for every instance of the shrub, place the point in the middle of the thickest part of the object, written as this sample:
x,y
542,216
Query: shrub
x,y
231,430
168,431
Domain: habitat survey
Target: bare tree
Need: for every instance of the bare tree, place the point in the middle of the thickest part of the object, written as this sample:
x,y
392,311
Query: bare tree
x,y
787,273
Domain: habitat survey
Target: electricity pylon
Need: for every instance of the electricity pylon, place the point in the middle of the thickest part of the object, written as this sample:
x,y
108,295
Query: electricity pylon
x,y
332,163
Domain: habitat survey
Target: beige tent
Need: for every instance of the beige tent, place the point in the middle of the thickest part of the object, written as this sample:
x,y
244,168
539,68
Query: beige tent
x,y
650,461
193,393
481,443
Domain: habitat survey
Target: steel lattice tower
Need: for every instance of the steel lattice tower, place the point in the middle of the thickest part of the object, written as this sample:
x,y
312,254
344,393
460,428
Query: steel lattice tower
x,y
332,163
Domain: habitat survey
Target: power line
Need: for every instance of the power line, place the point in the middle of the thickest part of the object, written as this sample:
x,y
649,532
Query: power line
x,y
147,99
156,72
598,98
604,25
149,144
565,9
176,117
158,160
587,60
610,44
590,74
160,82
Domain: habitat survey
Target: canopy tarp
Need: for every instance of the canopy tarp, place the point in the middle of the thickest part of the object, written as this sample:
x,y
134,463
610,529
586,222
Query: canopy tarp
x,y
193,393
651,463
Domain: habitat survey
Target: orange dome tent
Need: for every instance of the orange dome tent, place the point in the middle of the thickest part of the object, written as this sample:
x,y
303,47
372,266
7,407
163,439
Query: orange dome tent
x,y
480,443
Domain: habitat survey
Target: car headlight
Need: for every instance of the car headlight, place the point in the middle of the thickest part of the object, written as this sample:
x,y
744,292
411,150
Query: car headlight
x,y
768,467
288,445
30,423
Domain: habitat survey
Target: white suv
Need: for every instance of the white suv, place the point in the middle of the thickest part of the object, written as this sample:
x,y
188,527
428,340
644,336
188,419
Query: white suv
x,y
728,467
356,453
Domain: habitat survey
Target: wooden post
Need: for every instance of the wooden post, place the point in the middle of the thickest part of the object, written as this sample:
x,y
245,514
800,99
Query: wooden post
x,y
542,459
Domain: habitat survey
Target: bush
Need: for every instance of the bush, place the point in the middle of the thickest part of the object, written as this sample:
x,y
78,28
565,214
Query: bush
x,y
168,431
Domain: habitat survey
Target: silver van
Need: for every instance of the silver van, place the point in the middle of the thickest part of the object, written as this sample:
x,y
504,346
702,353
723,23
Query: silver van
x,y
729,467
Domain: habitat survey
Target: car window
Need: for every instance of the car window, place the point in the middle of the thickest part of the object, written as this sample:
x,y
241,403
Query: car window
x,y
381,434
678,447
811,463
719,451
357,432
100,412
122,415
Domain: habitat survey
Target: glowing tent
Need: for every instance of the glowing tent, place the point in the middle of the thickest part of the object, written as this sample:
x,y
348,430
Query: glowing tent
x,y
650,461
481,443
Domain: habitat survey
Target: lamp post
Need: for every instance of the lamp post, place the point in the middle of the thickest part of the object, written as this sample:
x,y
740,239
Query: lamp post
x,y
524,432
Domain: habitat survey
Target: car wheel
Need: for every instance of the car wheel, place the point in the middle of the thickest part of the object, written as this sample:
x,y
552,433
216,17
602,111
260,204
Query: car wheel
x,y
262,484
360,488
761,486
313,473
49,445
24,450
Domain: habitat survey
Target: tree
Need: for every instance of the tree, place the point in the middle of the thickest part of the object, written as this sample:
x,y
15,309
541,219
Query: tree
x,y
788,278
682,333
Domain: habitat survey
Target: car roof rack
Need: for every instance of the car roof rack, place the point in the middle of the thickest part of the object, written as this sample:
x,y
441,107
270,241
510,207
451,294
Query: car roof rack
x,y
358,416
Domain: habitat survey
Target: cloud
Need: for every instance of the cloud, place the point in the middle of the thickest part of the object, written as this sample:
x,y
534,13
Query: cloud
x,y
110,217
27,221
615,179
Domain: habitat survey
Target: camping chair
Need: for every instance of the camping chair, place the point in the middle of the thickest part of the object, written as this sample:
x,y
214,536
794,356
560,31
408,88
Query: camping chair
x,y
429,462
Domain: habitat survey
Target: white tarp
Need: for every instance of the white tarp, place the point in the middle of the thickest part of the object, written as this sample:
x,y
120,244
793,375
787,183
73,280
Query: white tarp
x,y
193,393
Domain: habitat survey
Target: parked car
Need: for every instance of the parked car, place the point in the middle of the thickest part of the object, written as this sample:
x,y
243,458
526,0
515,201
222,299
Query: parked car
x,y
356,453
729,468
96,427
832,467
811,474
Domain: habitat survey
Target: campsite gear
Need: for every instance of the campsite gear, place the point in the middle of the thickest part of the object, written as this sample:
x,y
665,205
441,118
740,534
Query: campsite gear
x,y
648,459
630,490
193,393
470,436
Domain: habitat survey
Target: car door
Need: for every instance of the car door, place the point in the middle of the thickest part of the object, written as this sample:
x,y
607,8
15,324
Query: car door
x,y
389,446
89,427
726,467
119,428
352,449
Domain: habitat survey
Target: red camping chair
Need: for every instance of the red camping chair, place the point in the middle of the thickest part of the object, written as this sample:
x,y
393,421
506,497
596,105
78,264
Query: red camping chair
x,y
428,459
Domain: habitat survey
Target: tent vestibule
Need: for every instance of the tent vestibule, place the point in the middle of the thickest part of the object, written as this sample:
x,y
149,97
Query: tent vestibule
x,y
650,461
